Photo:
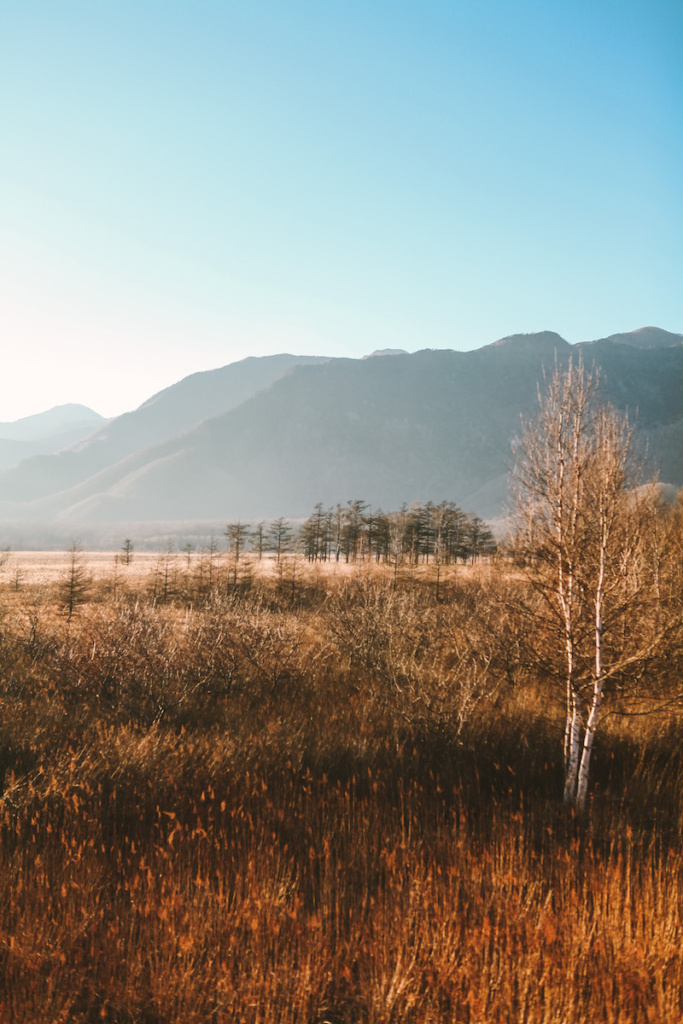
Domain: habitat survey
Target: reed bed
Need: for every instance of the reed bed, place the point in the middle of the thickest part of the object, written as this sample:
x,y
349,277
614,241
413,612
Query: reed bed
x,y
336,801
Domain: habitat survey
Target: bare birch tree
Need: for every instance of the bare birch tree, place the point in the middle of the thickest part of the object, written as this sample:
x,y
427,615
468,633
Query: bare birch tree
x,y
585,529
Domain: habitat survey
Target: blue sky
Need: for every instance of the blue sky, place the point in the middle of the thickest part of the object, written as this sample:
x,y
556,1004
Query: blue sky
x,y
185,183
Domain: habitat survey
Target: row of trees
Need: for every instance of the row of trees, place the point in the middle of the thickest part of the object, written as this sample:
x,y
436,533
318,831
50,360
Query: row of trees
x,y
442,534
437,534
420,533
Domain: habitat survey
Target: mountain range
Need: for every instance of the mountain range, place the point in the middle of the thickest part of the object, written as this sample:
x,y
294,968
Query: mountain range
x,y
272,436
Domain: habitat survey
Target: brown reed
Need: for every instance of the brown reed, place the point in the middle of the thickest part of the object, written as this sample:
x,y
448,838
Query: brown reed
x,y
337,803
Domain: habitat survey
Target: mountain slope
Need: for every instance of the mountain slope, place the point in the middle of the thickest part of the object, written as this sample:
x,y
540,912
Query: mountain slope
x,y
165,415
381,428
431,425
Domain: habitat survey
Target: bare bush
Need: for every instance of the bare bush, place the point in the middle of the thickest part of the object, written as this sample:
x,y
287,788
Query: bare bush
x,y
339,808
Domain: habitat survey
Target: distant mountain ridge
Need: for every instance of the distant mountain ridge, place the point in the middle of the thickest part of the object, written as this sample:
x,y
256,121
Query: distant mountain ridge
x,y
166,414
297,430
46,432
644,337
59,420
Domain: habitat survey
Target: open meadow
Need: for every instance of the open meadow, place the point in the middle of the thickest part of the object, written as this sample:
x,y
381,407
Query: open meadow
x,y
307,792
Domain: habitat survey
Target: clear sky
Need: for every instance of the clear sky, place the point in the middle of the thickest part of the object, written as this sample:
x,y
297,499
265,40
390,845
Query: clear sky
x,y
187,182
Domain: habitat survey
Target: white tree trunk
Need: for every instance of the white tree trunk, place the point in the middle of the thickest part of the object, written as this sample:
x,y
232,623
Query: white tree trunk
x,y
592,723
589,736
574,748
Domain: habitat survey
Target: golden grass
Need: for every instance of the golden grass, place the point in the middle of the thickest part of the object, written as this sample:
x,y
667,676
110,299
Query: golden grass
x,y
239,810
43,568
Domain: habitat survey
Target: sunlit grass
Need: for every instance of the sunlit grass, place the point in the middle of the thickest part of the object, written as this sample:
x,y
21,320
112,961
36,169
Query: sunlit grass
x,y
237,809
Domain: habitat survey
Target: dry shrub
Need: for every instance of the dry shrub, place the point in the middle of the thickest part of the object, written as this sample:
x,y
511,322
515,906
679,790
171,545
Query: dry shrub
x,y
432,663
255,811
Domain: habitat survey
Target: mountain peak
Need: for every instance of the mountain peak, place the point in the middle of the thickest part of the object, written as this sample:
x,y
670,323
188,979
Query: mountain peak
x,y
646,337
59,419
386,352
536,342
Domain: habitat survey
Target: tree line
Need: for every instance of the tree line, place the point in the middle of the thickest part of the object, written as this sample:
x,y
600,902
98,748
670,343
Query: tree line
x,y
352,532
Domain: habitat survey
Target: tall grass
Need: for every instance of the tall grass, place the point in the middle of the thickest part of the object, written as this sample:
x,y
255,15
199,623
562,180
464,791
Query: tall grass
x,y
334,802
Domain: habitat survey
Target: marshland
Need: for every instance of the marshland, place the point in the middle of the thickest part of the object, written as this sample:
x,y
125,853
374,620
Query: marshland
x,y
302,789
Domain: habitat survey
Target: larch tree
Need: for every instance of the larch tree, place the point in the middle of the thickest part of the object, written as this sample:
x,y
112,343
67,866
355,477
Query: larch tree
x,y
258,539
237,535
279,537
76,583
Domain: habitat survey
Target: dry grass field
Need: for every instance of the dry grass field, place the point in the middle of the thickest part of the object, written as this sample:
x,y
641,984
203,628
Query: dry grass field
x,y
303,794
44,568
